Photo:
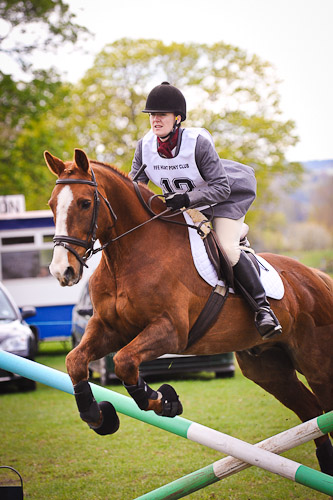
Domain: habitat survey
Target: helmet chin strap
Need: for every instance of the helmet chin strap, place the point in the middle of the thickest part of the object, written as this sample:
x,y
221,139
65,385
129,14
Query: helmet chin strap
x,y
173,131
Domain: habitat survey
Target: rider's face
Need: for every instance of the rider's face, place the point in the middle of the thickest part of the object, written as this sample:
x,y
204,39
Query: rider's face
x,y
162,123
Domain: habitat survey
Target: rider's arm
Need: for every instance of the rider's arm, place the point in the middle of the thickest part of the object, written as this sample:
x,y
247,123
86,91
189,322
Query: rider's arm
x,y
136,164
211,169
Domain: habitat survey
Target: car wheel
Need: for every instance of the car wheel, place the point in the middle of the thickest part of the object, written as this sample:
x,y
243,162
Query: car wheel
x,y
34,345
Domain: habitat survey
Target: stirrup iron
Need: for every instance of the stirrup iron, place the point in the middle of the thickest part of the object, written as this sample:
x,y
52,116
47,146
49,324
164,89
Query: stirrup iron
x,y
274,330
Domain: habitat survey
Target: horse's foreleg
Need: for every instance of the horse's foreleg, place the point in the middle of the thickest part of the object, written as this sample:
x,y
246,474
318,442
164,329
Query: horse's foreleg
x,y
164,402
101,417
156,339
96,343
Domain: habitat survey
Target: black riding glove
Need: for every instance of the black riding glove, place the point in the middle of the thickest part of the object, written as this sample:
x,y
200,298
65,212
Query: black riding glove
x,y
177,201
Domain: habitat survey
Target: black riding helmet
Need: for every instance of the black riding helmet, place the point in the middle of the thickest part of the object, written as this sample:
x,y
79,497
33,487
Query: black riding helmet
x,y
166,98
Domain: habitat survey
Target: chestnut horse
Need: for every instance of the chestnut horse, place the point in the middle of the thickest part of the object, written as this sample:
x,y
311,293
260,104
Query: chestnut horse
x,y
147,294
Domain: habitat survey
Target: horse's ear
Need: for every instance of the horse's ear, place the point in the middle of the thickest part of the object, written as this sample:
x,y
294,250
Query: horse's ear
x,y
55,165
81,160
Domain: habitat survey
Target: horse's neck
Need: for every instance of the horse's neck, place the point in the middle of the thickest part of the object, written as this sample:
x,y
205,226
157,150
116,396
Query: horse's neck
x,y
132,244
124,202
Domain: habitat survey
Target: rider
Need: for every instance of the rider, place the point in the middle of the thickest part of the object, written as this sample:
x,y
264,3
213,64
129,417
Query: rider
x,y
184,162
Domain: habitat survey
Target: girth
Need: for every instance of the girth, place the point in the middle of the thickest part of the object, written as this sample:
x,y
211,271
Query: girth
x,y
209,314
219,294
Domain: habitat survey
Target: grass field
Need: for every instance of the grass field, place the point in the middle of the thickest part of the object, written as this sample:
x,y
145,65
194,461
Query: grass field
x,y
60,458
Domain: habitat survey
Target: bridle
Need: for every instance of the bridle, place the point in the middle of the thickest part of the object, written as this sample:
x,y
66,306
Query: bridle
x,y
66,241
89,242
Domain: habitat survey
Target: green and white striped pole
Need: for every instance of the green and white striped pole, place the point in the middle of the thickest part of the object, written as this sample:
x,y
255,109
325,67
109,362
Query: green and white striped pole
x,y
180,426
228,466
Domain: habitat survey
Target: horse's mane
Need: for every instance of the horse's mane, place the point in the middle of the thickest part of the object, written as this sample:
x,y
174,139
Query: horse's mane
x,y
112,167
123,174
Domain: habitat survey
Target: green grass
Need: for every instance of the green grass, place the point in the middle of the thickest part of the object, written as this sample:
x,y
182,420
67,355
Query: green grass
x,y
60,458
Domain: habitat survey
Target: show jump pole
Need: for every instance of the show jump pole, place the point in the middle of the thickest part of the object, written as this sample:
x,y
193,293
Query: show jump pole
x,y
193,431
228,466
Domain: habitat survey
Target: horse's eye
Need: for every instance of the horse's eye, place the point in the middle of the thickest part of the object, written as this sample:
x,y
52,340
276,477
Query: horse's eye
x,y
86,204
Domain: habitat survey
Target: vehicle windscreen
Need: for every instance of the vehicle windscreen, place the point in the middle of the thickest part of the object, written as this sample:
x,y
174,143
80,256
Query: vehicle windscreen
x,y
7,312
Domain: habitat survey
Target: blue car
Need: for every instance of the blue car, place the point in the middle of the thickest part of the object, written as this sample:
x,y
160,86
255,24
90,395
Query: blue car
x,y
168,364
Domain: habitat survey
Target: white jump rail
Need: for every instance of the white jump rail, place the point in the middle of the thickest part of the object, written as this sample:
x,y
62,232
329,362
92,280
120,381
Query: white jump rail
x,y
193,431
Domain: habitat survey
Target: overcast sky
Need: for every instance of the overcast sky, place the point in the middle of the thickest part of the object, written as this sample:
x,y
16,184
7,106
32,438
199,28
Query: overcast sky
x,y
295,36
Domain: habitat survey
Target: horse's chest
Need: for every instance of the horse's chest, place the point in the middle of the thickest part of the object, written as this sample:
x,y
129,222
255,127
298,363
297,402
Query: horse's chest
x,y
123,315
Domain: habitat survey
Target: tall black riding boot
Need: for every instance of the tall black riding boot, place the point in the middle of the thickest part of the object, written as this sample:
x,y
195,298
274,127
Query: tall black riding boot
x,y
265,320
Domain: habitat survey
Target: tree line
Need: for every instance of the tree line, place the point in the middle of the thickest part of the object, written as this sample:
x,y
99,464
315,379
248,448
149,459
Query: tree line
x,y
230,92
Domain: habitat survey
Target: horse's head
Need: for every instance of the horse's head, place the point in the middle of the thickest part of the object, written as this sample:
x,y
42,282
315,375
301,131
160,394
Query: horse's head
x,y
74,203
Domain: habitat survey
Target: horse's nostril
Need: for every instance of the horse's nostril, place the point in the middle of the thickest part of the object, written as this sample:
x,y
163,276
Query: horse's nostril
x,y
69,273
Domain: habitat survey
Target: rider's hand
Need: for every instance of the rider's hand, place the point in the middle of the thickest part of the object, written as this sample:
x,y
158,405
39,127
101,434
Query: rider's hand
x,y
177,201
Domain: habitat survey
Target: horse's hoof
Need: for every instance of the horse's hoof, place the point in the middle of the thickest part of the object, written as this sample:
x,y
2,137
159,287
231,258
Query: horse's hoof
x,y
325,457
171,406
110,423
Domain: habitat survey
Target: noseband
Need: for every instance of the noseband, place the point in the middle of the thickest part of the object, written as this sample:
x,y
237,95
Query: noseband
x,y
89,242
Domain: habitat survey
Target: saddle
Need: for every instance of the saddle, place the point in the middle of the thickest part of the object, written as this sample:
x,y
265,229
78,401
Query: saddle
x,y
219,294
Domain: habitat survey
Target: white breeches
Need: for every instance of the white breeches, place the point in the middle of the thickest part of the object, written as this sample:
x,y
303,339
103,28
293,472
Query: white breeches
x,y
229,232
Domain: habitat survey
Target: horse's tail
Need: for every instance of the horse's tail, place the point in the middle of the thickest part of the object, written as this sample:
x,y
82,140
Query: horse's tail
x,y
324,277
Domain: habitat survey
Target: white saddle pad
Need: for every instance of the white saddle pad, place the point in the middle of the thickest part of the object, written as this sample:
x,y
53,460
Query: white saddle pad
x,y
270,279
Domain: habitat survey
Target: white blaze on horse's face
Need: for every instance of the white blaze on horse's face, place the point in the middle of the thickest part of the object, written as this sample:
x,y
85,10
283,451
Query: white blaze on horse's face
x,y
60,262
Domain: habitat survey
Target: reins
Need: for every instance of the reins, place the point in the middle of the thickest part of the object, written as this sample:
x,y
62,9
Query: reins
x,y
66,241
147,206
